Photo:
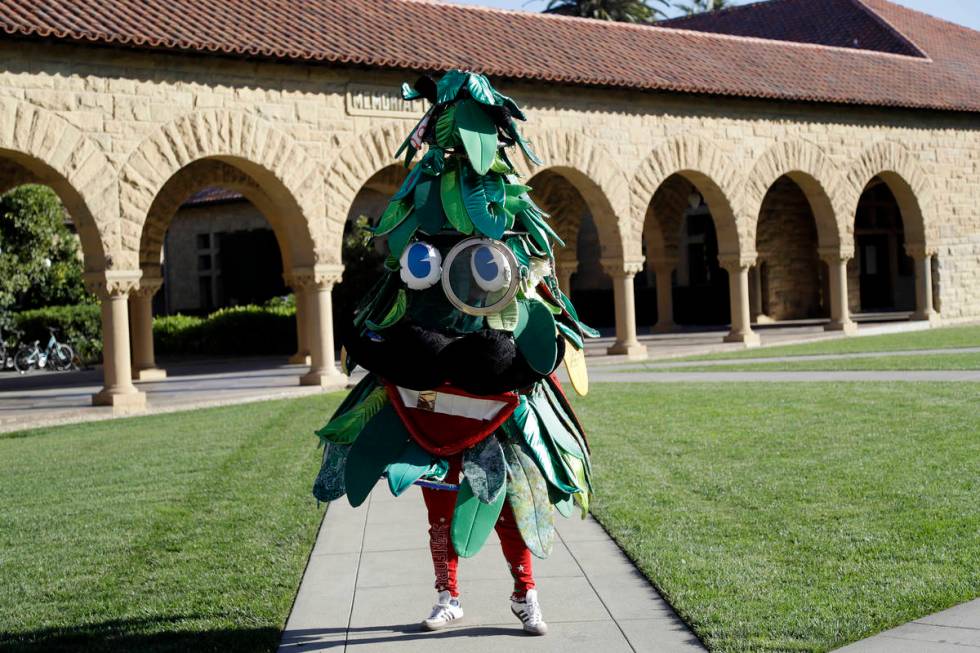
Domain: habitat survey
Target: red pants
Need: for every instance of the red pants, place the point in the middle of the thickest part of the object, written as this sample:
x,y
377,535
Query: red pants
x,y
445,561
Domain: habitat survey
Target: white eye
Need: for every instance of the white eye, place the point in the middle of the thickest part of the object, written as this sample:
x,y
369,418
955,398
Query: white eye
x,y
421,266
491,271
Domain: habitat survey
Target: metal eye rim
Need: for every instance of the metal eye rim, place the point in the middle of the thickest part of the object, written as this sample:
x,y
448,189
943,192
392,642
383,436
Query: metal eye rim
x,y
447,264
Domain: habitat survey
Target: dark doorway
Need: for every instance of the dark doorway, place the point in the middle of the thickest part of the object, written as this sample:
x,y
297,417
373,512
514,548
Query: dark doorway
x,y
251,267
885,272
701,285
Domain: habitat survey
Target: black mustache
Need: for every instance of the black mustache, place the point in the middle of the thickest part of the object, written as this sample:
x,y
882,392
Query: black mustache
x,y
485,362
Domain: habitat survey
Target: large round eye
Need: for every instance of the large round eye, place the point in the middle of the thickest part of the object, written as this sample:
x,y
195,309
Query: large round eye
x,y
421,266
491,271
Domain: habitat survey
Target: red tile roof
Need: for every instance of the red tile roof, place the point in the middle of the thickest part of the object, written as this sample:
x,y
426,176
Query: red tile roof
x,y
840,23
432,36
212,195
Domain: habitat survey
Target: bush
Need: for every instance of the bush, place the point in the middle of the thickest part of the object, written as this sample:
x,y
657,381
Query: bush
x,y
239,330
80,326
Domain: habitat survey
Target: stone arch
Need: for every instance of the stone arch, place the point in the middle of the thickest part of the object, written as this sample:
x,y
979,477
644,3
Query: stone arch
x,y
277,164
360,160
42,147
901,171
713,175
810,169
190,179
598,178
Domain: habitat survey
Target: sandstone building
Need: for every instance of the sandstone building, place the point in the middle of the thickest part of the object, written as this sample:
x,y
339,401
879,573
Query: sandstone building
x,y
793,168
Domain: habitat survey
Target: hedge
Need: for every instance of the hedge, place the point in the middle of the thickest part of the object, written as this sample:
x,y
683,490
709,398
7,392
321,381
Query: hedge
x,y
239,330
79,325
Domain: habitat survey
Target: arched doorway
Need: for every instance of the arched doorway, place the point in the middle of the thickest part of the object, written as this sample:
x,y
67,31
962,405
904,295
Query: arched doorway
x,y
882,274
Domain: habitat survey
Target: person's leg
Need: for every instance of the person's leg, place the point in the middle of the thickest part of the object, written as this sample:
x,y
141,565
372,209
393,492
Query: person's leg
x,y
524,600
440,505
515,552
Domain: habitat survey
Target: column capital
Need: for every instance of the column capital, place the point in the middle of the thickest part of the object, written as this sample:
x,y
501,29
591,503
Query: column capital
x,y
112,283
919,250
617,267
147,287
737,262
321,277
834,254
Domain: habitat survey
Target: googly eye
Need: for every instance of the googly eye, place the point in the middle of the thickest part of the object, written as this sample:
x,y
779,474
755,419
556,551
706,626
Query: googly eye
x,y
491,271
421,266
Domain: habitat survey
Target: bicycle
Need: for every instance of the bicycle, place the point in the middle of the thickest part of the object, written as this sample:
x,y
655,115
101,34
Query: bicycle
x,y
56,355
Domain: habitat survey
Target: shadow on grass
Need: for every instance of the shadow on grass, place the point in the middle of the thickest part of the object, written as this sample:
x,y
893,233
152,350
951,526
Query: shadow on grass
x,y
149,634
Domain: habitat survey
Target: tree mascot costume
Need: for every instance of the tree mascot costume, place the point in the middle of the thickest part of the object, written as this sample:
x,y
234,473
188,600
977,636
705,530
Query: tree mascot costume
x,y
461,337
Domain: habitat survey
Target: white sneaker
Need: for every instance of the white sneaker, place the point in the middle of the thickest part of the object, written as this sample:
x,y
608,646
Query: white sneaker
x,y
444,612
529,612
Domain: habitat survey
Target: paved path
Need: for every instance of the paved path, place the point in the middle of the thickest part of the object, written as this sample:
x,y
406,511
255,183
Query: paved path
x,y
956,630
369,584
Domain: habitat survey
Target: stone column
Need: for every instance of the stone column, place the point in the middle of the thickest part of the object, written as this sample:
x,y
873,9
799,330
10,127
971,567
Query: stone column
x,y
302,355
738,292
923,283
840,312
141,318
565,268
112,289
319,282
622,273
663,269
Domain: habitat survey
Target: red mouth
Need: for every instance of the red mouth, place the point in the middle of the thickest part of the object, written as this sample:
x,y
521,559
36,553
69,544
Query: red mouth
x,y
446,420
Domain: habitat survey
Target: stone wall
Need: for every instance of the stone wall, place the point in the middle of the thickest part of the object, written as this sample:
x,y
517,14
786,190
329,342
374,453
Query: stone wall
x,y
108,128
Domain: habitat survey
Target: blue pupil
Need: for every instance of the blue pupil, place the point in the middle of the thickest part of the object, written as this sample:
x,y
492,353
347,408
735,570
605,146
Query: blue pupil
x,y
419,264
485,265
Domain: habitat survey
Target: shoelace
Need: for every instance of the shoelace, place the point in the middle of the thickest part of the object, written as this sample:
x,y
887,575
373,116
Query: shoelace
x,y
439,610
530,612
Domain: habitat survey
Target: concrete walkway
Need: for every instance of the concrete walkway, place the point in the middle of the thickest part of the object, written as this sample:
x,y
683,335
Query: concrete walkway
x,y
956,630
369,584
613,376
953,351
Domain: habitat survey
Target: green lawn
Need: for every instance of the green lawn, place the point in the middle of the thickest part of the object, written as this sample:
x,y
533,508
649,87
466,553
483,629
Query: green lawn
x,y
793,517
941,338
966,361
187,531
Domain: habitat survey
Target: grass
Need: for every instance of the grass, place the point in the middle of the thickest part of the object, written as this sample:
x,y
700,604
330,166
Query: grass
x,y
186,531
793,517
949,362
942,338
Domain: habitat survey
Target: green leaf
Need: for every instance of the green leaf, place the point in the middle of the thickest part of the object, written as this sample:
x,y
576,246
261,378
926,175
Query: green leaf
x,y
428,205
473,520
500,165
446,128
437,471
506,319
552,427
537,342
344,428
509,104
523,427
485,469
527,493
451,191
570,334
409,184
393,216
413,463
408,139
477,192
562,502
519,247
478,133
381,443
395,313
449,85
480,89
400,236
409,93
578,469
329,483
